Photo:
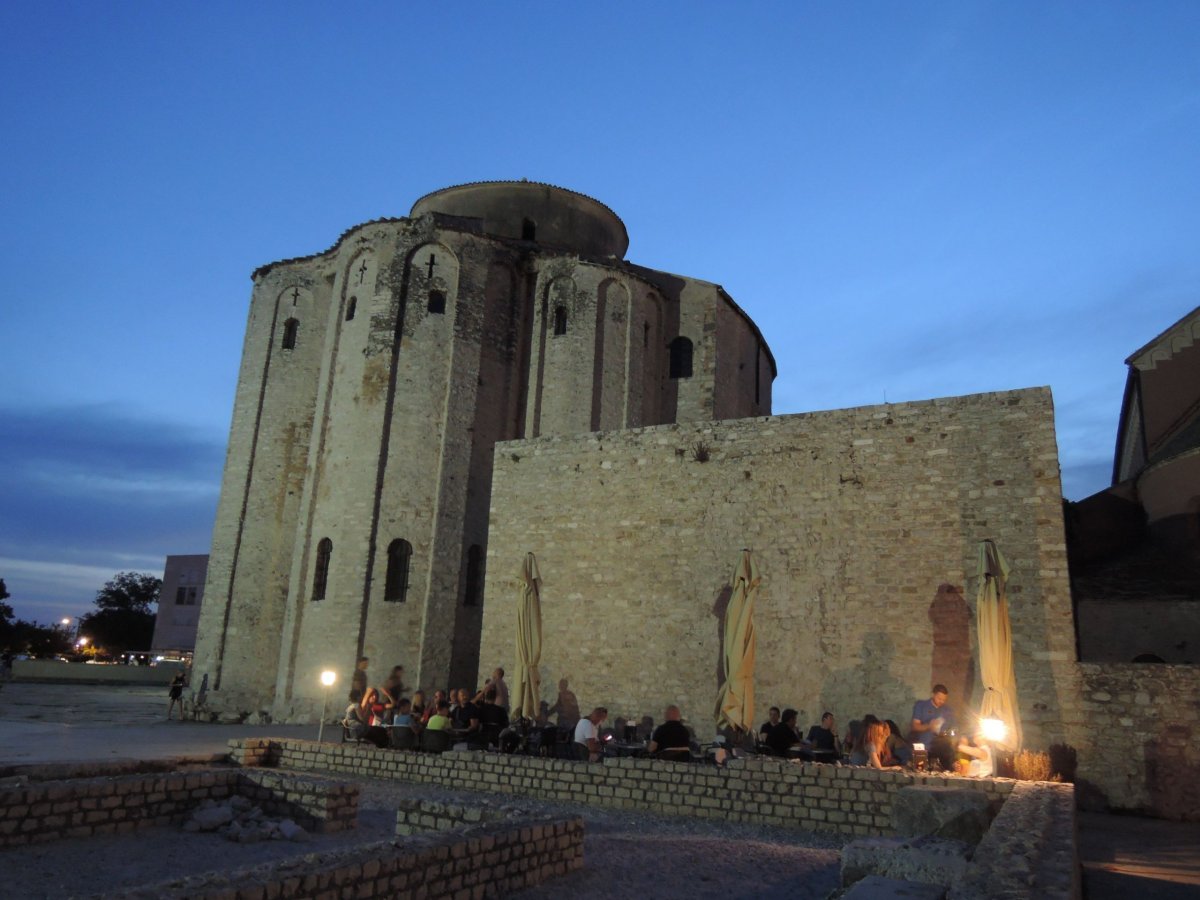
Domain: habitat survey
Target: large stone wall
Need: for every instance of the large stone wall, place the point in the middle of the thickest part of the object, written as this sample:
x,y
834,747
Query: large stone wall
x,y
864,524
377,423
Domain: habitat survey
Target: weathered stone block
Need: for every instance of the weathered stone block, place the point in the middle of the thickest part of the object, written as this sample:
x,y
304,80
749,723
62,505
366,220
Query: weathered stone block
x,y
926,860
960,814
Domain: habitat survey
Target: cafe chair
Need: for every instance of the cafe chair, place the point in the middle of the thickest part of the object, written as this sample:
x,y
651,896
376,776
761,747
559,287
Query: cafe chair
x,y
404,738
435,741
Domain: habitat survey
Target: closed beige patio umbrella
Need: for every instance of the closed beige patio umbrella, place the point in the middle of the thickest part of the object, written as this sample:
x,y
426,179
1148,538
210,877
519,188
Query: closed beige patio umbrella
x,y
529,641
735,700
995,645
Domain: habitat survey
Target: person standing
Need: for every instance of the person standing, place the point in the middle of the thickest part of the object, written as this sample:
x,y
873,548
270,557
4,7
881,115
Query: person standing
x,y
497,682
175,692
587,735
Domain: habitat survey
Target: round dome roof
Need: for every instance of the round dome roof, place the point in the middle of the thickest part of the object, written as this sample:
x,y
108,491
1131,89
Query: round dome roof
x,y
529,210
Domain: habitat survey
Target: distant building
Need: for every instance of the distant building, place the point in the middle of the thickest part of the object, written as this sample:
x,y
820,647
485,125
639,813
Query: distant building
x,y
1135,546
179,603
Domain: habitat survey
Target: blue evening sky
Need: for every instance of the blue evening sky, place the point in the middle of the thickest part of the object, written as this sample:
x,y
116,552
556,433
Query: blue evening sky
x,y
912,200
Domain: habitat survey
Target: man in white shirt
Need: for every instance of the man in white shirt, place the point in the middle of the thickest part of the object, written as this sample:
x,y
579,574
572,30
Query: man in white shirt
x,y
587,735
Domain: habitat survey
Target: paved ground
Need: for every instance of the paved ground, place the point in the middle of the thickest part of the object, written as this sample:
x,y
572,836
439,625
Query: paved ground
x,y
1122,856
60,722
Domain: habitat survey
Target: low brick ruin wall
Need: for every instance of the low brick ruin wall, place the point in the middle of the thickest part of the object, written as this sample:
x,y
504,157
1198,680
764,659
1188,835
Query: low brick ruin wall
x,y
842,799
491,860
420,816
53,810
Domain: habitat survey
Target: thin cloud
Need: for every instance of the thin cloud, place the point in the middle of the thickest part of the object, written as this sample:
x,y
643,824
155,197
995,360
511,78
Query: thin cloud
x,y
89,491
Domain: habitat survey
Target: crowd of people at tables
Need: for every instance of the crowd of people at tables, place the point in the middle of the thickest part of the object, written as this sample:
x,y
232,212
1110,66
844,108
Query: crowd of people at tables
x,y
481,718
880,743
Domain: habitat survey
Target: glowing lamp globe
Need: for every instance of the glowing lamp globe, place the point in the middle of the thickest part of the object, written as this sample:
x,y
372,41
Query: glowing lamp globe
x,y
328,678
993,729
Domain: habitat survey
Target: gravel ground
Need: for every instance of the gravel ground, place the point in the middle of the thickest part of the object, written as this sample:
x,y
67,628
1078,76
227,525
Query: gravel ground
x,y
625,853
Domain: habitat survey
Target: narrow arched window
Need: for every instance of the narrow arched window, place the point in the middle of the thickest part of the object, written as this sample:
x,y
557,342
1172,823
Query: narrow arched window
x,y
351,307
321,574
437,302
474,576
681,357
399,556
290,329
560,320
528,230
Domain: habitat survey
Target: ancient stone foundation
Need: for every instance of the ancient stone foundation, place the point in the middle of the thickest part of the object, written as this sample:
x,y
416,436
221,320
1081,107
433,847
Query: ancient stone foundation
x,y
1035,839
53,810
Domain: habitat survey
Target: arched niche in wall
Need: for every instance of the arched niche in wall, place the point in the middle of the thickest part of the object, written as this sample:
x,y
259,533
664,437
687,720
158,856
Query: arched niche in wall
x,y
432,283
358,285
560,305
294,315
361,275
609,357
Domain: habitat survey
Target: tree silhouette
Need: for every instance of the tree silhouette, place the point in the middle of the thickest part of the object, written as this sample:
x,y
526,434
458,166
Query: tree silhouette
x,y
123,619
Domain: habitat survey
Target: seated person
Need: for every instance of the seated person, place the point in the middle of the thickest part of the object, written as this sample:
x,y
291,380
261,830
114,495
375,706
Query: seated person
x,y
784,736
432,707
974,758
854,732
358,721
404,716
465,716
440,720
772,720
390,691
872,748
587,735
492,716
671,739
898,748
376,706
930,720
418,705
824,736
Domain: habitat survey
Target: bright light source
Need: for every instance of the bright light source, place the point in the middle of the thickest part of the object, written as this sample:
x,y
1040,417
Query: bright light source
x,y
993,729
81,642
66,621
328,678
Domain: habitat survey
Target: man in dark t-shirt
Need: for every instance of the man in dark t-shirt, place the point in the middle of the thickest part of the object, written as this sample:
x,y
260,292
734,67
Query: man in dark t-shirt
x,y
824,736
672,736
465,716
784,735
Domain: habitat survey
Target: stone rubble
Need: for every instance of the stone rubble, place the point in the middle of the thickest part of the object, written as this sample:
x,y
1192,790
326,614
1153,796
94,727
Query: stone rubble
x,y
237,819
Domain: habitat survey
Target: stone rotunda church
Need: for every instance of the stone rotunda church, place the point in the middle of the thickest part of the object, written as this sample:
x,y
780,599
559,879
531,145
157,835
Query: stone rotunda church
x,y
377,378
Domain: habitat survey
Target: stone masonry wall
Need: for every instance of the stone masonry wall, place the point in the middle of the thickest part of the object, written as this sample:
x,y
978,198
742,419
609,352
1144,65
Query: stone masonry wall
x,y
1030,849
864,524
53,810
843,799
492,860
1136,727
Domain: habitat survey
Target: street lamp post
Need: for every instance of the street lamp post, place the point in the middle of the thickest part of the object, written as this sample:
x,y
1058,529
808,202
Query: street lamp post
x,y
327,679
